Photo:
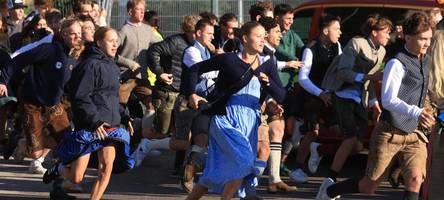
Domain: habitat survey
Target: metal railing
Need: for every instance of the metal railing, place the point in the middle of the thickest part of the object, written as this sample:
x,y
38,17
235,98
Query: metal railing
x,y
172,11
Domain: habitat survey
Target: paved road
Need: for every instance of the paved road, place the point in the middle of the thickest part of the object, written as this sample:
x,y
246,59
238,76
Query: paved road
x,y
153,181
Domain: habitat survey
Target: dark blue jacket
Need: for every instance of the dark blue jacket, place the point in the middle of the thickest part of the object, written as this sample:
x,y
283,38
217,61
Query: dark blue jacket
x,y
50,70
231,68
94,89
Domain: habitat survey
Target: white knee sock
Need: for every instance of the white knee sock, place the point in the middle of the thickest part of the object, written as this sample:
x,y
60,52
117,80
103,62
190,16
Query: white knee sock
x,y
275,162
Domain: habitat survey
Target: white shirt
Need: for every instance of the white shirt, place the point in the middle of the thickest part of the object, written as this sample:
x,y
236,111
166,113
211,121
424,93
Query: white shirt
x,y
304,72
393,74
192,56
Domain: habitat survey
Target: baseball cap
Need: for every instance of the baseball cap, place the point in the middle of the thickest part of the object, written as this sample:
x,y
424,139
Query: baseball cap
x,y
16,4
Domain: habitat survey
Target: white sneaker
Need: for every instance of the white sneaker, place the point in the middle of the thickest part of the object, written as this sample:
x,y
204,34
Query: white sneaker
x,y
36,167
315,159
296,136
141,152
322,193
299,176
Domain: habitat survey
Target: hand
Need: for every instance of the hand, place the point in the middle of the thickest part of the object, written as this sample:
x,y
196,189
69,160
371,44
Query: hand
x,y
135,66
193,101
374,77
166,78
294,64
376,114
426,120
100,132
264,78
325,96
219,51
211,47
3,90
129,128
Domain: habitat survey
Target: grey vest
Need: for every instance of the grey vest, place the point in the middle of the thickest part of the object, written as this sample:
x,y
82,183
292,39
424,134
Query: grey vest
x,y
413,89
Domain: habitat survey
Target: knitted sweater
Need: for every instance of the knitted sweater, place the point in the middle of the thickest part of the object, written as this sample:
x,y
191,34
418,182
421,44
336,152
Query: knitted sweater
x,y
134,43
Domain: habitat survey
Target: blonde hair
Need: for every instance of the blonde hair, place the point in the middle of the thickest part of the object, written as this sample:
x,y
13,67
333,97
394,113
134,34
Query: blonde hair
x,y
437,69
375,22
189,22
132,3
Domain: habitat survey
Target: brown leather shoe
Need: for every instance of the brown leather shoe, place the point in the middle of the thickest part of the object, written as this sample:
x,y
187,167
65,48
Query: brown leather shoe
x,y
280,186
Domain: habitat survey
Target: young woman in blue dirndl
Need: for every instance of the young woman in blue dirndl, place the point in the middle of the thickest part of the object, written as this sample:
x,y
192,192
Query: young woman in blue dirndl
x,y
231,163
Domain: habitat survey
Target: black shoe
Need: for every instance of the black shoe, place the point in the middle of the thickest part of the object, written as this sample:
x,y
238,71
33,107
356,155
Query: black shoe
x,y
51,174
59,194
10,146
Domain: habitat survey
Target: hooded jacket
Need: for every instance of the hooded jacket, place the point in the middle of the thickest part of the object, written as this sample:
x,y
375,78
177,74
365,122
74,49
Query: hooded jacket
x,y
94,89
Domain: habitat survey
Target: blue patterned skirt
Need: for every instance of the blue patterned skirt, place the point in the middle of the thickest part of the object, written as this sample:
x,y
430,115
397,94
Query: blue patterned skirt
x,y
79,143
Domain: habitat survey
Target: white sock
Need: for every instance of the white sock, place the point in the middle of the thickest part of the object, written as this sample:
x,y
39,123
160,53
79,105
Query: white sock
x,y
275,162
41,159
159,144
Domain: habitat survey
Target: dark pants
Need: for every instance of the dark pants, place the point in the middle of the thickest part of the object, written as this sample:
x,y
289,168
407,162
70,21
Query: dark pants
x,y
315,110
352,117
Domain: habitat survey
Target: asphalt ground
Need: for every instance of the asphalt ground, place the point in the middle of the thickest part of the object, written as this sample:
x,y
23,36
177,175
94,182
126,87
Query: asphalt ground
x,y
153,180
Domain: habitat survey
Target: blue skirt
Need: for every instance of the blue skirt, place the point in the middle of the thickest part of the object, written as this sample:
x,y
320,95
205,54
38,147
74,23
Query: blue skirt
x,y
232,145
79,143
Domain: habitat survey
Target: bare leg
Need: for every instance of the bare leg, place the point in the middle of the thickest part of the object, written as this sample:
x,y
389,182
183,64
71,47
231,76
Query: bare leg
x,y
106,159
263,151
348,146
230,189
76,171
413,179
197,193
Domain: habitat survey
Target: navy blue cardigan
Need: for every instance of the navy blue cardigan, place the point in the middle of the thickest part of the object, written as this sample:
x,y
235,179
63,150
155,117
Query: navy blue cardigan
x,y
231,68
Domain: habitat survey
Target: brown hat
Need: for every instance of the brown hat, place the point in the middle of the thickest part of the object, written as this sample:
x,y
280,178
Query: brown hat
x,y
16,4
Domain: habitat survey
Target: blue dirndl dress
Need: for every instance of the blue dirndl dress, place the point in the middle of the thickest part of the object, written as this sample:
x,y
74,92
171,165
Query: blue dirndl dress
x,y
79,143
233,139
